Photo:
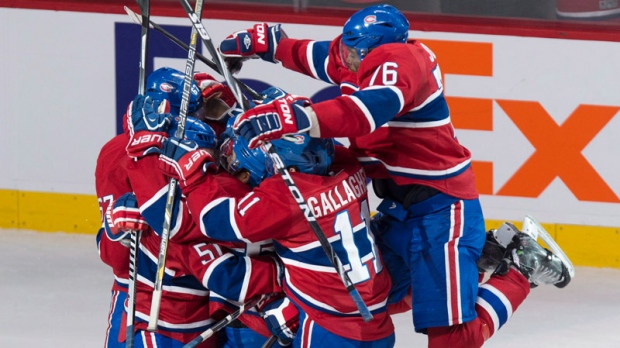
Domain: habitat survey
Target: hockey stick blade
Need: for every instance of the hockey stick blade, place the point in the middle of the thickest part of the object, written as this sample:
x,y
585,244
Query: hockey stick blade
x,y
533,228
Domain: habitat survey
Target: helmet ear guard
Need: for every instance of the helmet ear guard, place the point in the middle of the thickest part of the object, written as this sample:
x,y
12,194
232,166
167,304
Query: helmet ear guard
x,y
374,26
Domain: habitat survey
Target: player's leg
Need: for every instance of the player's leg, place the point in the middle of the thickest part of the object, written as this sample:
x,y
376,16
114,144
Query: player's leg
x,y
441,239
395,256
312,335
447,236
526,264
497,300
115,334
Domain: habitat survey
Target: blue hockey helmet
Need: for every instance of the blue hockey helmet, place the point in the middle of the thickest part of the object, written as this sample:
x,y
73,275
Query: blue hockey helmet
x,y
195,130
235,155
167,84
304,153
374,26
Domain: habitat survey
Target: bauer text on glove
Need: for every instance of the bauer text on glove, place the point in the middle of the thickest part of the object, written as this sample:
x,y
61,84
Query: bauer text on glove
x,y
184,161
147,128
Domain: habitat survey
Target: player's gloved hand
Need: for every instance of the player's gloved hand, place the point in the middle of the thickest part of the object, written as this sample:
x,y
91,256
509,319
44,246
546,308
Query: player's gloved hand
x,y
211,88
184,161
260,41
126,214
287,115
147,128
122,217
282,319
271,94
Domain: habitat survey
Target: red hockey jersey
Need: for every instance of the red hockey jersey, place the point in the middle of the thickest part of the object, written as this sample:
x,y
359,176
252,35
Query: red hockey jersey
x,y
397,120
111,182
340,205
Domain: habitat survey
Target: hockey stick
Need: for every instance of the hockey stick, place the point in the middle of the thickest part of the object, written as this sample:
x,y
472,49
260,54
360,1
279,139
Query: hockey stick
x,y
270,342
172,187
227,320
303,205
145,11
219,61
255,95
133,275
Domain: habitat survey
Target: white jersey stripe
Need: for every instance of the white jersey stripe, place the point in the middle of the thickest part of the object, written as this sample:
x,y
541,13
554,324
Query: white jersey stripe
x,y
429,99
430,124
365,111
309,50
423,172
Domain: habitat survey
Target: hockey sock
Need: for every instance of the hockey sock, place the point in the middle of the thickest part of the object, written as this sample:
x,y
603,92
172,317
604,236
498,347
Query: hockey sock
x,y
497,299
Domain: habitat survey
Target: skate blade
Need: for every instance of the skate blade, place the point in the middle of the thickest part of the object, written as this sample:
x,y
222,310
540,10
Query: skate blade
x,y
533,228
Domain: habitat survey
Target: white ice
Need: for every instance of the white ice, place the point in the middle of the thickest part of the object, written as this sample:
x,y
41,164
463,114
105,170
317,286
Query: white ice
x,y
54,292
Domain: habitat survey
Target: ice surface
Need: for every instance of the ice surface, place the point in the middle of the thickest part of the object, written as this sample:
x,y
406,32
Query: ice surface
x,y
54,292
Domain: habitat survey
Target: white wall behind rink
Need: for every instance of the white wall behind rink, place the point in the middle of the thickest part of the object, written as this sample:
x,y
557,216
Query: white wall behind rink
x,y
57,90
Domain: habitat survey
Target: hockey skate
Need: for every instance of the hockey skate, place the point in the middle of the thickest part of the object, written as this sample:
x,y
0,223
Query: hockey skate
x,y
495,247
537,264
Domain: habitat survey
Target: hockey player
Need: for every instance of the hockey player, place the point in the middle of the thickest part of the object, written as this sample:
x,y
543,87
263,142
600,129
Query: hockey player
x,y
396,117
112,178
232,277
112,181
336,193
192,271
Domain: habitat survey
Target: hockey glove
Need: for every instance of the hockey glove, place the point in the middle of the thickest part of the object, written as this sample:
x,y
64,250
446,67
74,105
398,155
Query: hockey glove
x,y
126,214
282,319
260,41
271,94
211,88
184,161
122,217
287,115
147,128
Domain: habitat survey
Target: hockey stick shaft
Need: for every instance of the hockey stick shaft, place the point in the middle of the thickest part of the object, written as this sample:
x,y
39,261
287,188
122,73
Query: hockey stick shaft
x,y
303,205
219,61
253,94
145,9
270,342
145,12
133,275
224,322
172,186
